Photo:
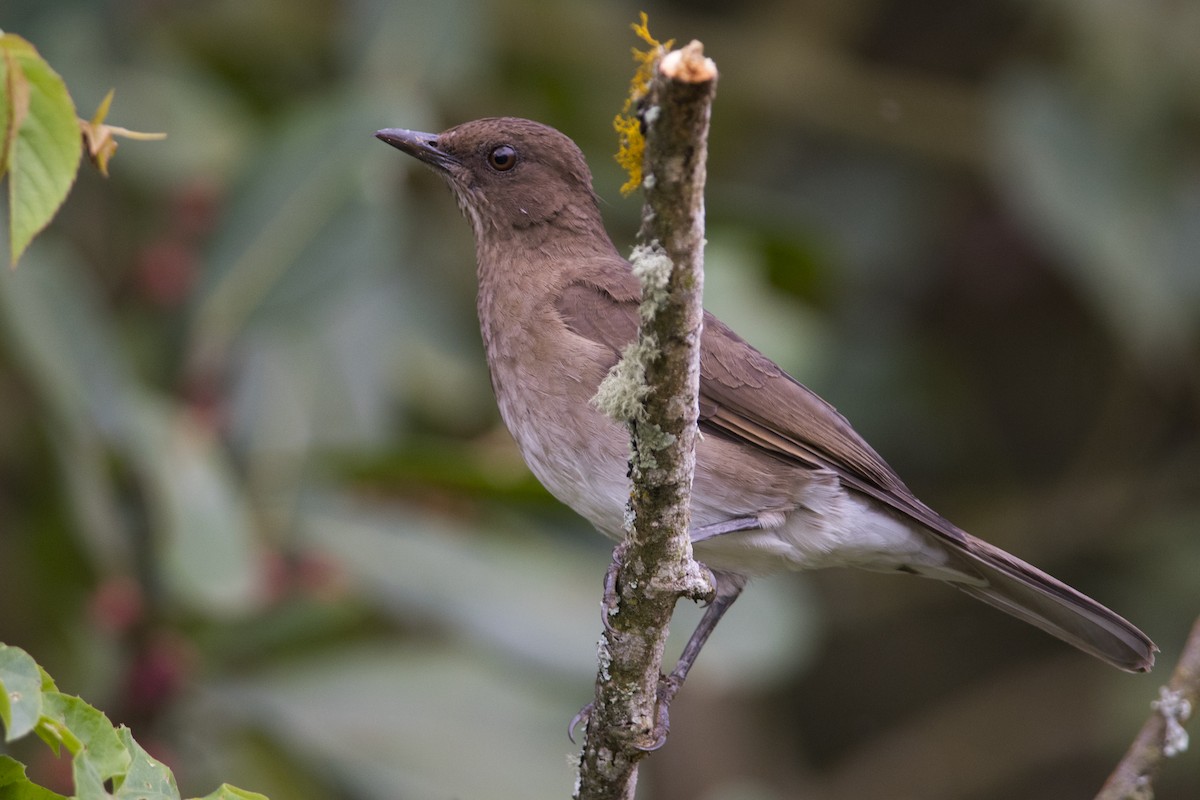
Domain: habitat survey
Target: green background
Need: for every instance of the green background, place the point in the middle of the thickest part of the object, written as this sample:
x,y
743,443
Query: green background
x,y
256,502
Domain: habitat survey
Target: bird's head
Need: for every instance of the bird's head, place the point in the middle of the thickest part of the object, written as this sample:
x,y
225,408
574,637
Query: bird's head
x,y
507,174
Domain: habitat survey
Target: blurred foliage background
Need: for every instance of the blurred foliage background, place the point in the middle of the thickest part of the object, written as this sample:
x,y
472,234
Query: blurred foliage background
x,y
256,502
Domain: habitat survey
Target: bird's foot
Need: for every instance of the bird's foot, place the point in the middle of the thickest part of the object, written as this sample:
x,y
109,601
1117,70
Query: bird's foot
x,y
657,736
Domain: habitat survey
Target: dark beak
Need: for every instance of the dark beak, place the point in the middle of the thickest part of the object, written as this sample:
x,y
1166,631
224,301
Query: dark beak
x,y
421,146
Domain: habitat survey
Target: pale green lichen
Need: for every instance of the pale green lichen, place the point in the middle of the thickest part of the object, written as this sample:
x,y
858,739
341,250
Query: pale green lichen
x,y
653,439
652,266
629,519
623,391
1175,710
622,394
604,657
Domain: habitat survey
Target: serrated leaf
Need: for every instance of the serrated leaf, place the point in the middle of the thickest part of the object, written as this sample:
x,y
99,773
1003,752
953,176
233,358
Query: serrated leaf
x,y
99,754
147,778
48,684
14,785
43,156
20,692
227,792
8,128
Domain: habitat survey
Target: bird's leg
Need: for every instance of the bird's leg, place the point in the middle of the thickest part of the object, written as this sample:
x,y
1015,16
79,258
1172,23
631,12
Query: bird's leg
x,y
611,600
725,526
727,592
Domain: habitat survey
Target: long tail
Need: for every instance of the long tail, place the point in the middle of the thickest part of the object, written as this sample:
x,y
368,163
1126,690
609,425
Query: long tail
x,y
1039,599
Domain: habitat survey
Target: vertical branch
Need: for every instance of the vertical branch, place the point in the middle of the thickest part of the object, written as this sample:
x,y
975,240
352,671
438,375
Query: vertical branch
x,y
653,566
1162,735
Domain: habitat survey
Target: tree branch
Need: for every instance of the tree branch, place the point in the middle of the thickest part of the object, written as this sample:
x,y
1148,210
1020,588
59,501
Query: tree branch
x,y
1162,735
657,383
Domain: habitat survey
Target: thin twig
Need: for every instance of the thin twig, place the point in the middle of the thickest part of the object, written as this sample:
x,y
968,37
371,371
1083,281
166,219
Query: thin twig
x,y
1162,735
654,566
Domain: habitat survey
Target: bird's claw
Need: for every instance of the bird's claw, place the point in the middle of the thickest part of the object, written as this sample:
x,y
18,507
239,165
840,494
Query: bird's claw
x,y
579,719
657,735
667,688
662,726
611,600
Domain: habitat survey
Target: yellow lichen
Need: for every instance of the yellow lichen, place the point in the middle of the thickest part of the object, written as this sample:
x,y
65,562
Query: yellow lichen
x,y
629,128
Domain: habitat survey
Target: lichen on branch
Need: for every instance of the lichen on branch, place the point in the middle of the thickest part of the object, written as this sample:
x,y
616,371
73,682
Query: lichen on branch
x,y
654,390
632,141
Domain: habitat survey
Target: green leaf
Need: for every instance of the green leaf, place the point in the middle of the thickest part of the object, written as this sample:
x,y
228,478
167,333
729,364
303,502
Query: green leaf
x,y
20,692
227,792
8,128
43,156
147,778
99,754
48,684
14,785
10,771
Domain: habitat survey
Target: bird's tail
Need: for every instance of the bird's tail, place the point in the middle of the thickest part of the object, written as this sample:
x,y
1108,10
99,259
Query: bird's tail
x,y
1039,599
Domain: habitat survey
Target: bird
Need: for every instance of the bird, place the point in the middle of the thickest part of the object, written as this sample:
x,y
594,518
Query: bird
x,y
782,482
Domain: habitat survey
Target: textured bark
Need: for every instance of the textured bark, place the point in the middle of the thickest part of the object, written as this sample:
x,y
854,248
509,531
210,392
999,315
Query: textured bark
x,y
1133,779
653,568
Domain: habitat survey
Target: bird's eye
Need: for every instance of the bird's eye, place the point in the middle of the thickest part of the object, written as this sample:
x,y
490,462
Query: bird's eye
x,y
503,158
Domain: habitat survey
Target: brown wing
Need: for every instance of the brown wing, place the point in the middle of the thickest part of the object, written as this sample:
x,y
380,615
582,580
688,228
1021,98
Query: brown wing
x,y
744,395
747,397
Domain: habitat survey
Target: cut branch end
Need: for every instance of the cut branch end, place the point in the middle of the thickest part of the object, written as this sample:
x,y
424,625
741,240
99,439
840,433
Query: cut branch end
x,y
688,64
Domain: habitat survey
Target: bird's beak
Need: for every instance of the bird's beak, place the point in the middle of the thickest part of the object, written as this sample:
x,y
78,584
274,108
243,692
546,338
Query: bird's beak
x,y
422,146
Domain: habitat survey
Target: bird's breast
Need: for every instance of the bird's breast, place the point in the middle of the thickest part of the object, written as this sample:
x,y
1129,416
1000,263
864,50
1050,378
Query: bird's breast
x,y
544,377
